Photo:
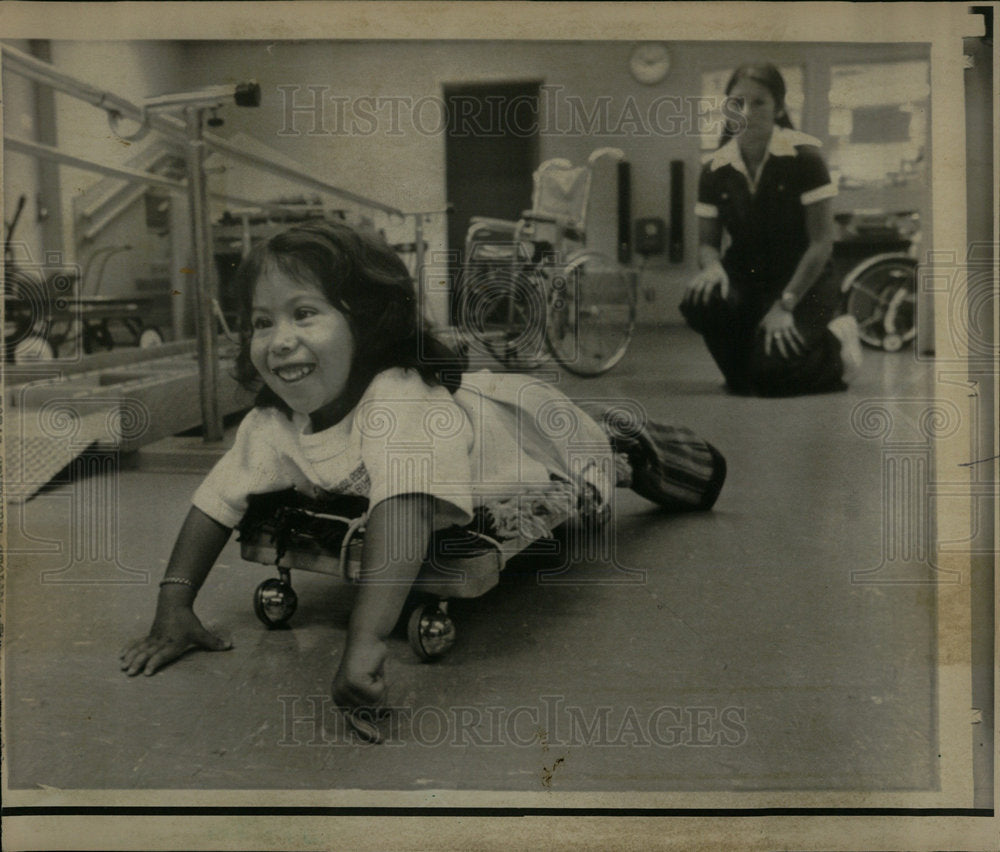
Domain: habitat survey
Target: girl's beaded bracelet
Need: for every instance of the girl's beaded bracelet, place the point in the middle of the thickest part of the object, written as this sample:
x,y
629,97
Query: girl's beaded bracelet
x,y
181,580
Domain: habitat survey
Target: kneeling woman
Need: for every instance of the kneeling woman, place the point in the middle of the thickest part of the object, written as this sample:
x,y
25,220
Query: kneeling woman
x,y
767,307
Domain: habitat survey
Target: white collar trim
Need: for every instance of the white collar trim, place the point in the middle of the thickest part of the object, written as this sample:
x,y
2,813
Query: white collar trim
x,y
783,143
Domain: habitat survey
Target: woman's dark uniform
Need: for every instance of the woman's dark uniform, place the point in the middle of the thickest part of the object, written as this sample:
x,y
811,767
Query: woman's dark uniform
x,y
766,229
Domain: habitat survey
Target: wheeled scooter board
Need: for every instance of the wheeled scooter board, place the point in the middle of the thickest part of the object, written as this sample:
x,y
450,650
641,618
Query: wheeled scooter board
x,y
291,531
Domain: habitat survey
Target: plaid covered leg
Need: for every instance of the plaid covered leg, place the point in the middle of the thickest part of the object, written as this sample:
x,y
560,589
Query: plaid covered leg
x,y
670,465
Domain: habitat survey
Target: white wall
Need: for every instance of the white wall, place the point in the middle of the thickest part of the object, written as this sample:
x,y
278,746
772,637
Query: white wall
x,y
20,172
407,169
133,70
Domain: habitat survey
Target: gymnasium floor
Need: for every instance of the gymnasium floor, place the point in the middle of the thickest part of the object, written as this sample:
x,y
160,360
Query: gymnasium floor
x,y
727,651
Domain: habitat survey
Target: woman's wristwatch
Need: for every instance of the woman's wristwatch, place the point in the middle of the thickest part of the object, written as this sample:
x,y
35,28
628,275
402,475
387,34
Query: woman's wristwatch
x,y
788,300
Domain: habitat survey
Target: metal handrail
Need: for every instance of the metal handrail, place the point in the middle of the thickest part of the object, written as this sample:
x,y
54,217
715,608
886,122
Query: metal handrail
x,y
223,146
147,161
174,128
132,195
189,131
47,152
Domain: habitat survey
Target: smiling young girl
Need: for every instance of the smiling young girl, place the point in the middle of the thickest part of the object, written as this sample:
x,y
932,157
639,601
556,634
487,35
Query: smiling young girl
x,y
356,396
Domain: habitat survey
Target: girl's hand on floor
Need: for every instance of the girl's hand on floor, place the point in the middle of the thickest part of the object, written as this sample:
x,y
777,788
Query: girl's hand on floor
x,y
700,288
360,680
174,632
359,688
779,328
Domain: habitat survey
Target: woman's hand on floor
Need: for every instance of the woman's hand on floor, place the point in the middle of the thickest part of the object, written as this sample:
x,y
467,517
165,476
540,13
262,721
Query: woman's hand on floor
x,y
175,631
699,288
779,329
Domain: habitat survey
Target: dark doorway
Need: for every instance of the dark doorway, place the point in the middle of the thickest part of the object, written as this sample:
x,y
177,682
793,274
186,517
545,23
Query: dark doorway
x,y
491,150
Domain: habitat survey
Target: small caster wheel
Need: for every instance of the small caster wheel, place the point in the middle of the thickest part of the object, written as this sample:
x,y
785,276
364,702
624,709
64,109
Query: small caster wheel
x,y
430,631
275,602
892,342
150,337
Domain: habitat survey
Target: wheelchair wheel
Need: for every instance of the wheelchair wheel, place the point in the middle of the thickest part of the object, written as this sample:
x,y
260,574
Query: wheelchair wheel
x,y
501,313
32,348
881,294
96,337
149,337
591,316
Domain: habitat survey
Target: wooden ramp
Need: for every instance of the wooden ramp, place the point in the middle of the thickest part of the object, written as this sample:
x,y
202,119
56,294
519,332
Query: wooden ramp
x,y
54,413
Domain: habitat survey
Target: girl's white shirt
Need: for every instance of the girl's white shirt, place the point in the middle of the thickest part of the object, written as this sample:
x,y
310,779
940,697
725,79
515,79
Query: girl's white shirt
x,y
499,435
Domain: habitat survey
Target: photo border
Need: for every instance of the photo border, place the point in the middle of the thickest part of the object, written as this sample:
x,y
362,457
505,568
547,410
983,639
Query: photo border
x,y
893,820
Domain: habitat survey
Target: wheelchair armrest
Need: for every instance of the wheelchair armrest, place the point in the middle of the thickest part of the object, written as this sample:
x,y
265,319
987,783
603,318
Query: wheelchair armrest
x,y
482,229
506,252
571,229
534,216
492,223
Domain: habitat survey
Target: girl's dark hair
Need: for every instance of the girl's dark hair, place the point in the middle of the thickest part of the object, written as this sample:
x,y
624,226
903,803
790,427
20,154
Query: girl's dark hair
x,y
770,78
363,278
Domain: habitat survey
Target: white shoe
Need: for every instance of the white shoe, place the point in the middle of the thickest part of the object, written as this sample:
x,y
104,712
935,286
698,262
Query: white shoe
x,y
845,327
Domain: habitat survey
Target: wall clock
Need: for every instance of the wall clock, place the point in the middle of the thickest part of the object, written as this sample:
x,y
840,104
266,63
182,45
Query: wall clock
x,y
649,62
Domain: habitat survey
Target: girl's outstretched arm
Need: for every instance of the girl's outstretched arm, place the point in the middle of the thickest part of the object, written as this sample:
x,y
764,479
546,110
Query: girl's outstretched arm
x,y
176,629
396,537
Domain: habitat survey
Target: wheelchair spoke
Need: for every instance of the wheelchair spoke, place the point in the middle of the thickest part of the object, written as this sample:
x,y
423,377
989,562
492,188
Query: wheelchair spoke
x,y
591,314
500,312
883,301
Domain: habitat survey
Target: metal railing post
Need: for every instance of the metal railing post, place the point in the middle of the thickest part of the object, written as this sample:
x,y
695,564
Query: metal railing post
x,y
201,242
418,244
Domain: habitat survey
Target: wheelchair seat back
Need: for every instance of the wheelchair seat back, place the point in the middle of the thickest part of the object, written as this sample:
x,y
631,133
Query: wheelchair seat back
x,y
560,192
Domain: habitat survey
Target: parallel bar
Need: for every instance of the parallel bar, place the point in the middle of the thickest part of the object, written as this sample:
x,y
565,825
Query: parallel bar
x,y
177,100
197,143
174,128
27,66
260,205
126,200
147,161
226,147
129,197
46,152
